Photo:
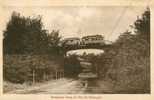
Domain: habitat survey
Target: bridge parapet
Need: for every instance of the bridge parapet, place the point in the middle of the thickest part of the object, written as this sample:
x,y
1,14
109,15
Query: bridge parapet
x,y
68,48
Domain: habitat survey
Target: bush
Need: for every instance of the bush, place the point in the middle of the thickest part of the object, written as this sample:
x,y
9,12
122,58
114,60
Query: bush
x,y
129,69
18,68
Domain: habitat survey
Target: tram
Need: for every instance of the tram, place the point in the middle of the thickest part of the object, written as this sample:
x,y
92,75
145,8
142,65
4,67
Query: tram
x,y
92,40
75,41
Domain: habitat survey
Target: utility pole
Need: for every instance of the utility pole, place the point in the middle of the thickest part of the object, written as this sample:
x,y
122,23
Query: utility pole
x,y
56,74
44,76
33,75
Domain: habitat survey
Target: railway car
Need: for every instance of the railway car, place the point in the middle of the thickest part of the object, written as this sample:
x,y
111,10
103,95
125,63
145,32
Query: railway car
x,y
93,40
70,42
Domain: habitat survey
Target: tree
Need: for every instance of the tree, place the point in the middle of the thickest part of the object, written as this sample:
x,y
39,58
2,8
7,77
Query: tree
x,y
24,35
130,67
26,45
53,40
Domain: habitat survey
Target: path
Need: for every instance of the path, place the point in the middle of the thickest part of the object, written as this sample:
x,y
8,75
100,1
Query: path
x,y
61,86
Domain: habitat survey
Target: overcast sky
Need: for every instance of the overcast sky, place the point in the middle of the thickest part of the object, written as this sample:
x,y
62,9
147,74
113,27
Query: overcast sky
x,y
79,21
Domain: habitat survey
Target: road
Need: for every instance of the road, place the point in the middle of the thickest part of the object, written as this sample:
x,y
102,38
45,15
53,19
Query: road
x,y
61,86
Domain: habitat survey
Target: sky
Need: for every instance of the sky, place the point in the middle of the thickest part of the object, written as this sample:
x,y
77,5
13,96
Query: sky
x,y
78,21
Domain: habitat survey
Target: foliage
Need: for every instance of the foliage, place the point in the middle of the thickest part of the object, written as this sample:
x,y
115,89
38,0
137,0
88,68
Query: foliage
x,y
53,42
25,47
18,68
25,35
130,66
126,63
142,25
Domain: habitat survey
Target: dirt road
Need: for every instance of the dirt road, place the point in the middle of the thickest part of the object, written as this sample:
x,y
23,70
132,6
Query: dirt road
x,y
61,86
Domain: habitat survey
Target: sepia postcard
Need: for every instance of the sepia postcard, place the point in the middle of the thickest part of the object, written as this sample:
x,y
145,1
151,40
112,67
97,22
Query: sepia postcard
x,y
76,50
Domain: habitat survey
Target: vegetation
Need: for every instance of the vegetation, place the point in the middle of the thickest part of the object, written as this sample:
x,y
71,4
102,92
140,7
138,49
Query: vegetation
x,y
30,52
129,57
126,63
25,35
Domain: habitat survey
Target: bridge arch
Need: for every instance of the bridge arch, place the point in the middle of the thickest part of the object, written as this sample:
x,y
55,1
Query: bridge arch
x,y
77,61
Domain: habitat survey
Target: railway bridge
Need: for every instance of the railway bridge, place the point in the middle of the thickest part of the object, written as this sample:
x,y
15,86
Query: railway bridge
x,y
87,45
87,72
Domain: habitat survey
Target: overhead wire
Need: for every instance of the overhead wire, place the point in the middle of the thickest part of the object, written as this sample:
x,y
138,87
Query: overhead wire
x,y
118,20
121,15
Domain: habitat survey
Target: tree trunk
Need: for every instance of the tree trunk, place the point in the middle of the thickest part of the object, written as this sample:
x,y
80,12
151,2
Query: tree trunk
x,y
44,76
56,74
33,76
